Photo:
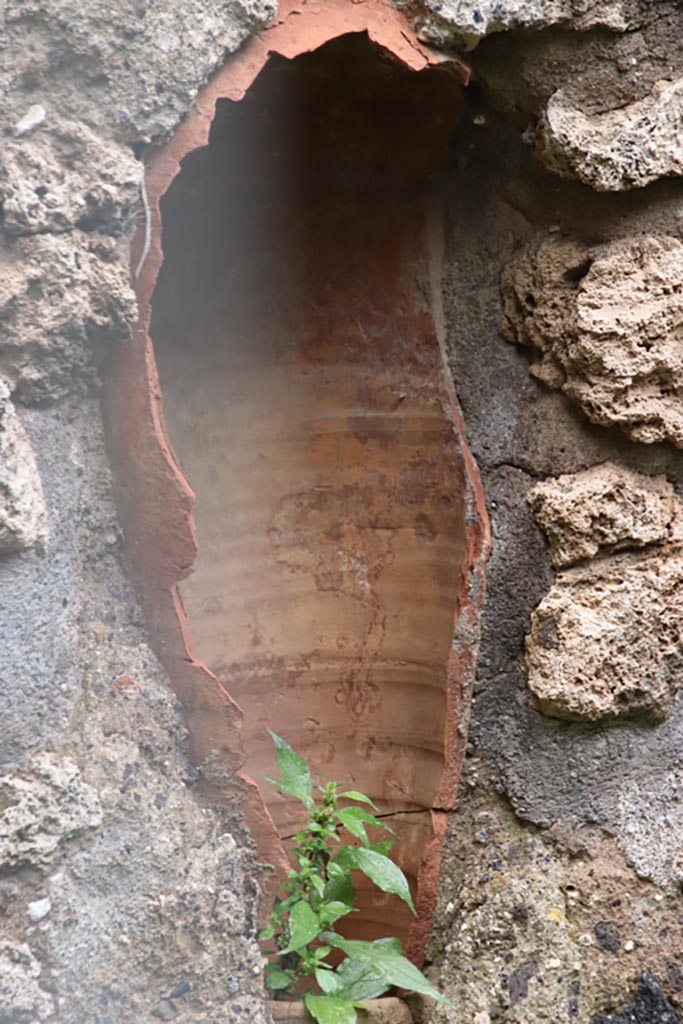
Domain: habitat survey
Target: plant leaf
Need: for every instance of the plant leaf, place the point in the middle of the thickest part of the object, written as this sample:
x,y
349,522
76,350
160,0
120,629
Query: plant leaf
x,y
384,846
327,980
395,968
296,777
360,980
329,1010
353,794
304,926
339,885
318,885
392,944
354,825
277,979
332,911
386,875
355,819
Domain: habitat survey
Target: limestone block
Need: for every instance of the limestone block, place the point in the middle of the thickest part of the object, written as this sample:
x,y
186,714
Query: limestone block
x,y
606,506
60,297
607,640
606,324
53,181
23,514
619,149
466,22
43,805
21,997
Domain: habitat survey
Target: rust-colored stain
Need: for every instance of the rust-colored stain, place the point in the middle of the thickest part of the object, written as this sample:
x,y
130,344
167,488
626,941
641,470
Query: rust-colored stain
x,y
340,525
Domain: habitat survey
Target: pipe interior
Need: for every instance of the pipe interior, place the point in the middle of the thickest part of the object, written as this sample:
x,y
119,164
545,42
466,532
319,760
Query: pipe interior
x,y
304,393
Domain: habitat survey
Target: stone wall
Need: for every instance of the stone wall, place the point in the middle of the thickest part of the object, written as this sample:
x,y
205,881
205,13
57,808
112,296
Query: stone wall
x,y
122,896
117,887
560,900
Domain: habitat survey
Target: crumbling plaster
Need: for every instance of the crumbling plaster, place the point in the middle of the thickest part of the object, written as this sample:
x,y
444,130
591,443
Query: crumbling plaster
x,y
157,891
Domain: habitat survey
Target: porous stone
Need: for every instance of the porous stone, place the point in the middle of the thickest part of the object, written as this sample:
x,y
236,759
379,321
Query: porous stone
x,y
466,23
607,506
652,806
65,178
23,515
21,997
617,149
134,68
607,640
649,1006
63,300
516,936
606,326
44,805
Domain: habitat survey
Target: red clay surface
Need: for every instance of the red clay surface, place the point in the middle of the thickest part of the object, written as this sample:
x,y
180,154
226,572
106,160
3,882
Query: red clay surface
x,y
340,525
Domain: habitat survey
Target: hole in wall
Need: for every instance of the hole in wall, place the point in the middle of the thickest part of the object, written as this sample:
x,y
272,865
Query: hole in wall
x,y
302,386
306,400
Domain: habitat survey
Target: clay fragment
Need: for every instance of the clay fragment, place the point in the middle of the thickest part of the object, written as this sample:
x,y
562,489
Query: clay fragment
x,y
377,1011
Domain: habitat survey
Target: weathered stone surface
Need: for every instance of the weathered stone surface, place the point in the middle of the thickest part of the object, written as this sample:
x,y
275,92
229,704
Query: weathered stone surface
x,y
61,296
467,22
606,324
573,779
23,515
649,1006
73,79
522,920
652,806
21,996
607,506
160,892
133,67
618,149
45,804
66,178
607,640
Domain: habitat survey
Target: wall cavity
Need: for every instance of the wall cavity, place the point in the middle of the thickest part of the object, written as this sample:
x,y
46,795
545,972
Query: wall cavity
x,y
340,534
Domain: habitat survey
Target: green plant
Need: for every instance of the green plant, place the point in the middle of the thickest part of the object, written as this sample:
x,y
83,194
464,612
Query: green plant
x,y
319,891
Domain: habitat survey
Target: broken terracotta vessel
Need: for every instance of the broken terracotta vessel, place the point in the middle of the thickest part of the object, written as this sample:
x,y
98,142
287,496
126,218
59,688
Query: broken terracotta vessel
x,y
337,541
378,1011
